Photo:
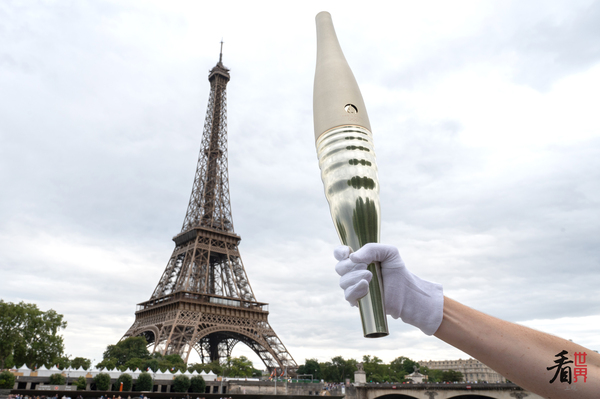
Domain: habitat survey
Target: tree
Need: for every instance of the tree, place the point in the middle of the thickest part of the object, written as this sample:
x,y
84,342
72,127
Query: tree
x,y
173,362
81,383
133,364
213,366
127,381
238,367
181,383
57,379
7,380
81,362
152,364
62,362
129,348
401,366
374,368
405,364
29,335
336,370
144,382
311,366
197,384
452,376
434,375
108,364
102,381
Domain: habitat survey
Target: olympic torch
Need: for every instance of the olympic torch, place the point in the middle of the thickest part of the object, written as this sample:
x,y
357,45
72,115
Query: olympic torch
x,y
347,161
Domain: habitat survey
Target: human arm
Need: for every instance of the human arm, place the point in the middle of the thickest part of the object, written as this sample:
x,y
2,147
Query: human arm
x,y
521,354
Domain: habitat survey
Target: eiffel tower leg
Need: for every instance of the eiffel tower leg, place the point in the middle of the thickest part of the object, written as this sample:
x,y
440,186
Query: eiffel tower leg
x,y
173,327
214,348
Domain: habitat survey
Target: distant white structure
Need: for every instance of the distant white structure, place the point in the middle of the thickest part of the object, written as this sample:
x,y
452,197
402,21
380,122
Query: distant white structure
x,y
24,371
416,377
472,369
208,376
114,373
43,372
80,372
360,376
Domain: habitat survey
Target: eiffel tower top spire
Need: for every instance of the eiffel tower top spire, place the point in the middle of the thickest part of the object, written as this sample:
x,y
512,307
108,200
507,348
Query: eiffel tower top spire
x,y
221,53
209,204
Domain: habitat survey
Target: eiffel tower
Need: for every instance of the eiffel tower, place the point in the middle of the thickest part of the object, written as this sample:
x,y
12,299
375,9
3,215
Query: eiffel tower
x,y
203,300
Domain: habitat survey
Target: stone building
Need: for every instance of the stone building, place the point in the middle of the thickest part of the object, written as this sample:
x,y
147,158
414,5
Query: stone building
x,y
472,369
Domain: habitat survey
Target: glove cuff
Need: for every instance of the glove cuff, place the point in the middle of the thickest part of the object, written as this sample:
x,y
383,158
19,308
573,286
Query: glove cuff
x,y
425,309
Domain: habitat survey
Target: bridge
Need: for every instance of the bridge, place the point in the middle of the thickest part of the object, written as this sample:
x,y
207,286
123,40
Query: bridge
x,y
439,391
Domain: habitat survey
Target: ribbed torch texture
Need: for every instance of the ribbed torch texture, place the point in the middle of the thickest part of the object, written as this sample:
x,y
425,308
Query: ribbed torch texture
x,y
347,161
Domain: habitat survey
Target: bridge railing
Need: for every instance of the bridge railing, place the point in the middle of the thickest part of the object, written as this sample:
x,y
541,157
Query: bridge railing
x,y
442,386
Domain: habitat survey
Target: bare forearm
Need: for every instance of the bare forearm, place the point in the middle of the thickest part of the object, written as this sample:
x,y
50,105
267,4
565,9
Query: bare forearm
x,y
519,353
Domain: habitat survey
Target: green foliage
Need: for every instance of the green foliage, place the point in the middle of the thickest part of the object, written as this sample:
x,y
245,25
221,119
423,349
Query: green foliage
x,y
81,383
152,364
400,367
129,348
181,383
81,362
311,366
132,364
375,370
57,379
7,380
159,362
9,362
131,353
238,367
337,370
404,364
62,362
144,382
231,367
256,373
102,381
214,366
442,376
127,381
109,364
29,335
175,361
197,384
452,376
434,375
340,369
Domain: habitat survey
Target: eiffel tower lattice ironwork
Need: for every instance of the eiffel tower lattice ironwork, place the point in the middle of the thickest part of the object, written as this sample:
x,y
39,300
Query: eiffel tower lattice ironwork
x,y
203,300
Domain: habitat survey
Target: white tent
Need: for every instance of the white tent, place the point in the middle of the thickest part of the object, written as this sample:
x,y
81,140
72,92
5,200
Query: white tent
x,y
44,372
114,373
24,370
208,376
80,372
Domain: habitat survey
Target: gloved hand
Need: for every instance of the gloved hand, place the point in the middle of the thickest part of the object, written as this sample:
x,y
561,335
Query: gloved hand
x,y
415,301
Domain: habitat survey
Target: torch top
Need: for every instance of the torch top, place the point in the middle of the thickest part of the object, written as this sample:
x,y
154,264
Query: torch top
x,y
337,100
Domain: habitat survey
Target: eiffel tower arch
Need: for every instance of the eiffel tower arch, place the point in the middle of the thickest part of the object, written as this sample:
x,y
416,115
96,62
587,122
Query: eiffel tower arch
x,y
203,300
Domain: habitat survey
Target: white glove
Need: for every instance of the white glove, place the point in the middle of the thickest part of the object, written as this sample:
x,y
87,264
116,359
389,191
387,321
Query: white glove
x,y
415,301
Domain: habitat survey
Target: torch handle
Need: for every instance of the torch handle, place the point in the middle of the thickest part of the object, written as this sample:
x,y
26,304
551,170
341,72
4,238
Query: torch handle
x,y
372,310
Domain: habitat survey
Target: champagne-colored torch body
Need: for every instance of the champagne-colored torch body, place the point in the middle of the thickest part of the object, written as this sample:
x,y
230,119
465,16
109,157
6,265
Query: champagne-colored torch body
x,y
347,161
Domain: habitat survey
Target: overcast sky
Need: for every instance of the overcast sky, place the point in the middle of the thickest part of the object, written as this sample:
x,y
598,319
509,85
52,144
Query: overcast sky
x,y
487,135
